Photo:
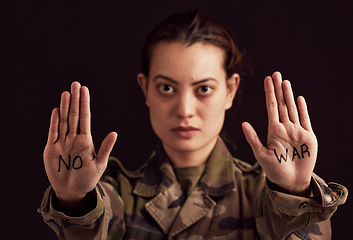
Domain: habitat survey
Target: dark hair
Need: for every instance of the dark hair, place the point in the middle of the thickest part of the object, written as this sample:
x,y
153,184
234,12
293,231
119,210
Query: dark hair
x,y
190,28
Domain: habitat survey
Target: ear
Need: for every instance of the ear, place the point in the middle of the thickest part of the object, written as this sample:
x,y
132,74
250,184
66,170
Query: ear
x,y
142,81
232,87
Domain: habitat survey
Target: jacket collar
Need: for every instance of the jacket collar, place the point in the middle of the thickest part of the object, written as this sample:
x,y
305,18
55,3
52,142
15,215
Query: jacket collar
x,y
217,179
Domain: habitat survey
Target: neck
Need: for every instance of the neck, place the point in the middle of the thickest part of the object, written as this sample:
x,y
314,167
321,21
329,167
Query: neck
x,y
190,158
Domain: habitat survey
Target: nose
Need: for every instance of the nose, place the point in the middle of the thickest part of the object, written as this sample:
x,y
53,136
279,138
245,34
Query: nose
x,y
185,105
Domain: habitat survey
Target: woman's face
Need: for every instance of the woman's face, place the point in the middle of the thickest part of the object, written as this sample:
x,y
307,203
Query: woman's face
x,y
187,94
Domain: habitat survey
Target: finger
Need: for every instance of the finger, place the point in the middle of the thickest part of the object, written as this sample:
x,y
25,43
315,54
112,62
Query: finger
x,y
54,126
271,102
106,147
85,112
64,110
252,138
289,98
74,107
304,114
282,107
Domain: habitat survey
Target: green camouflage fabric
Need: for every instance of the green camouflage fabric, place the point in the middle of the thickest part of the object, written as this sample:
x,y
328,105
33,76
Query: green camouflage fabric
x,y
232,200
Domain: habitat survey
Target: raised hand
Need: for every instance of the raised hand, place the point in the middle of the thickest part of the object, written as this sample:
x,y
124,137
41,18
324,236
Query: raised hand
x,y
289,157
70,160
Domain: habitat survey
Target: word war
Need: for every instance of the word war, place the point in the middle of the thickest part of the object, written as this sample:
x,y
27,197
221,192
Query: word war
x,y
303,149
76,163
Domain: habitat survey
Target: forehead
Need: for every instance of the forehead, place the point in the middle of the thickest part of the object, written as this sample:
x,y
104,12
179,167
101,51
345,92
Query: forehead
x,y
197,61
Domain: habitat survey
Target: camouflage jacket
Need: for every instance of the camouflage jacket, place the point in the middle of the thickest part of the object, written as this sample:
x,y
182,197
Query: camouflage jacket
x,y
232,200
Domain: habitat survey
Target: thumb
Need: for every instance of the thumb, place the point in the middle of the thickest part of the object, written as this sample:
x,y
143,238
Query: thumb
x,y
252,138
106,147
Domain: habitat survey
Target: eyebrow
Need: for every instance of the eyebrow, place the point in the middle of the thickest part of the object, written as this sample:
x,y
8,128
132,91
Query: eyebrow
x,y
176,82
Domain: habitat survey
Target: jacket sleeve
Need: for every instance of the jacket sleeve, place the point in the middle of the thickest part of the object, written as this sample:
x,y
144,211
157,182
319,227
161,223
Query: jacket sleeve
x,y
280,215
106,216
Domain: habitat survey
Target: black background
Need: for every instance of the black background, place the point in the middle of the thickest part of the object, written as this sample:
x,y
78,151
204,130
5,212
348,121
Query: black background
x,y
51,43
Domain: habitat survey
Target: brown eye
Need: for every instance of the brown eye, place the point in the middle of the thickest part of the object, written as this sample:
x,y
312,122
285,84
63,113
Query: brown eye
x,y
204,90
165,88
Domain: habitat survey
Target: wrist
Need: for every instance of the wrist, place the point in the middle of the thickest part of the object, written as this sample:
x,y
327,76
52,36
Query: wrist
x,y
69,199
304,190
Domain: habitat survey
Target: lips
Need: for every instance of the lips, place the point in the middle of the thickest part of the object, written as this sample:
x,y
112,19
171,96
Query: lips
x,y
188,128
185,132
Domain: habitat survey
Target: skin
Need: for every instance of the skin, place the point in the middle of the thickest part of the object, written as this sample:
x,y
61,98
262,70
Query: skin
x,y
70,134
288,126
187,87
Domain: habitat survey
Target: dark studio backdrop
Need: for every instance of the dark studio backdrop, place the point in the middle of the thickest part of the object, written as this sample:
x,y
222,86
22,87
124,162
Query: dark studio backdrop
x,y
51,43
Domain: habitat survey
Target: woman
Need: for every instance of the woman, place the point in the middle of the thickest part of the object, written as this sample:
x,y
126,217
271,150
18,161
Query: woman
x,y
191,187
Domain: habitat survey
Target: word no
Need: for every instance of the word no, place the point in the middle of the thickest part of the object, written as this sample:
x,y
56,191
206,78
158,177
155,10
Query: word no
x,y
303,148
76,163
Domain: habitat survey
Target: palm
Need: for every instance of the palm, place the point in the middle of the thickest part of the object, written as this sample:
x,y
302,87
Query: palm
x,y
290,154
70,160
62,178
